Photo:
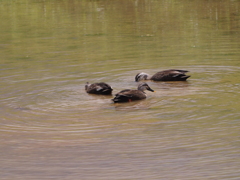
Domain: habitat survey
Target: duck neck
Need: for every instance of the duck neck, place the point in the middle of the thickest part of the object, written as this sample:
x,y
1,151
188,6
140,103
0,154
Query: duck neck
x,y
141,89
86,86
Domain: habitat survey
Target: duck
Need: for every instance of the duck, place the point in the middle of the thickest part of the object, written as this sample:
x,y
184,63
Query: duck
x,y
128,95
98,88
166,75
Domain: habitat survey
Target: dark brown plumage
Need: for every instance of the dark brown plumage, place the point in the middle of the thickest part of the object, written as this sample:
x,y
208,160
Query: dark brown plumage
x,y
129,95
98,88
167,75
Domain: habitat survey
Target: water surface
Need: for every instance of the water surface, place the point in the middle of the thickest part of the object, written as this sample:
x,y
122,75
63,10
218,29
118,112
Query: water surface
x,y
51,129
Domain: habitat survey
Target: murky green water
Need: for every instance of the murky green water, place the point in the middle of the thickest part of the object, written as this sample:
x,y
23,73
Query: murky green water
x,y
51,129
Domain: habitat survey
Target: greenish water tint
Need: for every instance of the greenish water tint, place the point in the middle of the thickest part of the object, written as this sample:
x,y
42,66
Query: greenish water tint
x,y
51,129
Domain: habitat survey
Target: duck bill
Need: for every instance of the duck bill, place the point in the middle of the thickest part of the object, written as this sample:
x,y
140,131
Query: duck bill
x,y
149,89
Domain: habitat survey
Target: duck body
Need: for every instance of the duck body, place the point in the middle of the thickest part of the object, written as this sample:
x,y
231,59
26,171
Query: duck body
x,y
98,88
128,95
166,75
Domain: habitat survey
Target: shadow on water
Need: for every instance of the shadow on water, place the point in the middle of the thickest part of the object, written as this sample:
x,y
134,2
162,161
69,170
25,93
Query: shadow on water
x,y
132,106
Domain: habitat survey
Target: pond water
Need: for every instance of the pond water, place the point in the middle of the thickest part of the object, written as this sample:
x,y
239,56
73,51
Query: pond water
x,y
51,129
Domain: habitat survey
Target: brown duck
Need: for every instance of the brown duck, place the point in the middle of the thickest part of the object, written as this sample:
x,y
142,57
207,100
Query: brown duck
x,y
98,88
129,95
167,75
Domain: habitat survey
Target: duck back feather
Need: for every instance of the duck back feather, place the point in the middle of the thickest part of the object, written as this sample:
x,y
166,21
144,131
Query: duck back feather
x,y
166,75
98,88
128,95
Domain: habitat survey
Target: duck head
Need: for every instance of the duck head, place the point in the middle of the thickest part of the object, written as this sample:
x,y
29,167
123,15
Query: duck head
x,y
141,76
144,86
